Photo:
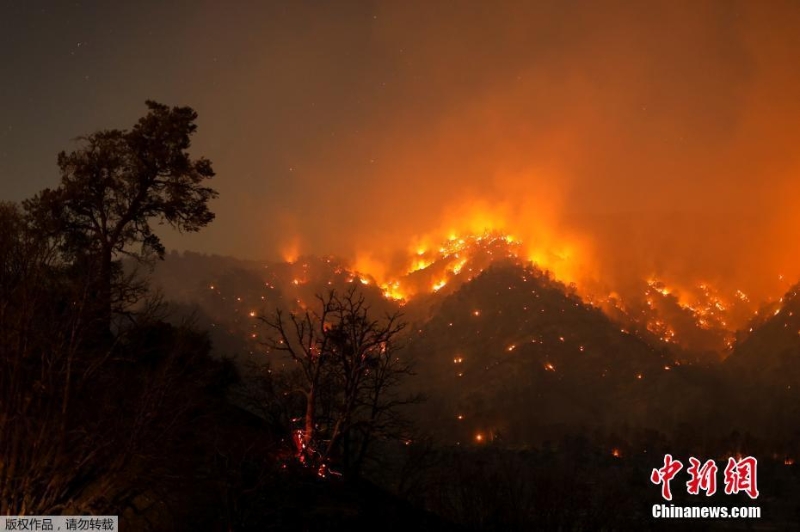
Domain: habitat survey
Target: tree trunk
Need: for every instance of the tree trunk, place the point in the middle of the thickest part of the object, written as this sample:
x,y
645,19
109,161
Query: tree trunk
x,y
308,433
104,295
97,274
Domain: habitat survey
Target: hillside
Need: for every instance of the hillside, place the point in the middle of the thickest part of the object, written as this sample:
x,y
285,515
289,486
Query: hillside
x,y
512,356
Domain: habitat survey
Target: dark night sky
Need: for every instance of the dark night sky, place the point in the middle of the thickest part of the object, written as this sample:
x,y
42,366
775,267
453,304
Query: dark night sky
x,y
358,127
268,80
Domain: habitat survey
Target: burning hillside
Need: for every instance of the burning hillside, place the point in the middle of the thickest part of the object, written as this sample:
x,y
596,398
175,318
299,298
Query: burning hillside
x,y
507,354
455,261
698,321
700,318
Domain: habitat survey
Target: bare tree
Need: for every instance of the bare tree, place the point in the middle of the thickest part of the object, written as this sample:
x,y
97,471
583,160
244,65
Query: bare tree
x,y
350,371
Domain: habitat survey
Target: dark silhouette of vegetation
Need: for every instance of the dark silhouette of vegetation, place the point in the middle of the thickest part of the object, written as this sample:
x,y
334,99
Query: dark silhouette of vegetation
x,y
77,418
88,417
350,372
115,185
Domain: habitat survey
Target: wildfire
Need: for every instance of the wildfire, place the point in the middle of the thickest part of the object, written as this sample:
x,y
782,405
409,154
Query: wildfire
x,y
419,264
698,316
291,252
675,313
393,291
458,266
434,262
742,296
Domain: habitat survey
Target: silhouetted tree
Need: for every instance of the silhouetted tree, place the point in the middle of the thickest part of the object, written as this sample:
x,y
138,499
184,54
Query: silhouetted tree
x,y
69,432
84,427
350,371
116,184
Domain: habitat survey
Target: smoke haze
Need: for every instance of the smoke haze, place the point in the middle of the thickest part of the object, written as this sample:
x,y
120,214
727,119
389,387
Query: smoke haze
x,y
618,140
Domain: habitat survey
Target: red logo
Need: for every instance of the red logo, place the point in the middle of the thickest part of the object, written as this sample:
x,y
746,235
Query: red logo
x,y
739,476
665,475
703,477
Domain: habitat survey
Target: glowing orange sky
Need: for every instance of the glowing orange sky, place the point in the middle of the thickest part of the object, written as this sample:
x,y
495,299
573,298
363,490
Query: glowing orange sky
x,y
648,138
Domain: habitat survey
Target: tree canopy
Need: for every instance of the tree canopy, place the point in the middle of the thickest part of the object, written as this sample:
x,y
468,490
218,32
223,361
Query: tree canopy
x,y
114,186
119,181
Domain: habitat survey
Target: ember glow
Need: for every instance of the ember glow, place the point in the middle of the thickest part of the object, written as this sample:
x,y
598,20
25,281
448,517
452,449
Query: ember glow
x,y
430,267
692,315
699,316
